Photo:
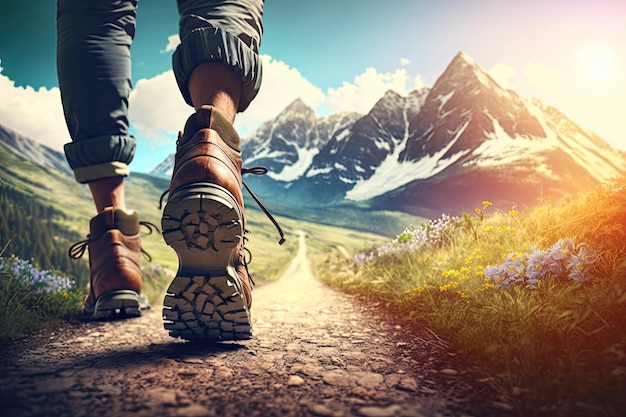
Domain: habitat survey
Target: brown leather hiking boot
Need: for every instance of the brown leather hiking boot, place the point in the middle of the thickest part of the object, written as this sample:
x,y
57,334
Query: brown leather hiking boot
x,y
114,247
204,222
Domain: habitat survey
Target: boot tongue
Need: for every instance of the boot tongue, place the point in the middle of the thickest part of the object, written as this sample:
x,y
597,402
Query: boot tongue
x,y
109,218
208,117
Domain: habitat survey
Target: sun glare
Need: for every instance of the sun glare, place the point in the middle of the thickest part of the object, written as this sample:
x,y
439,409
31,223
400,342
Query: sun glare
x,y
597,66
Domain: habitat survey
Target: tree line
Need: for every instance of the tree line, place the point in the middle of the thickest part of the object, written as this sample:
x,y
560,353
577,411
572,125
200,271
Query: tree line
x,y
28,230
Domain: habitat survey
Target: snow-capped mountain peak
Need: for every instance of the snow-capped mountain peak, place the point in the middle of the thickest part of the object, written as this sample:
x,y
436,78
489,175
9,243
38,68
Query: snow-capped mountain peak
x,y
443,148
288,143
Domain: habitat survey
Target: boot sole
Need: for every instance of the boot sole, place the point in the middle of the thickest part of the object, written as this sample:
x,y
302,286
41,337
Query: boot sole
x,y
116,305
203,223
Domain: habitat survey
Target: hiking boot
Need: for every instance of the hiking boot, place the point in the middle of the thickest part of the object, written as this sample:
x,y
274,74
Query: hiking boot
x,y
204,222
114,247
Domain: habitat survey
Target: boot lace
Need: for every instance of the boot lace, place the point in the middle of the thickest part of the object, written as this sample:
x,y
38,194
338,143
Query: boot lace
x,y
77,250
256,170
259,170
246,258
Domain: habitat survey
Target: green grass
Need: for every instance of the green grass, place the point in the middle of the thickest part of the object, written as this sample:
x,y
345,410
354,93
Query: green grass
x,y
23,311
553,348
26,306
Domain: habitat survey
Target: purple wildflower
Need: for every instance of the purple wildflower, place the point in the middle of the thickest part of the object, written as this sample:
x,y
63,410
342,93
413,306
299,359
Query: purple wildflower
x,y
44,281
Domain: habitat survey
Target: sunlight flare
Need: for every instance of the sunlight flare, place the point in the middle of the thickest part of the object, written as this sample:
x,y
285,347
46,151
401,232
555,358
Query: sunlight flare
x,y
597,66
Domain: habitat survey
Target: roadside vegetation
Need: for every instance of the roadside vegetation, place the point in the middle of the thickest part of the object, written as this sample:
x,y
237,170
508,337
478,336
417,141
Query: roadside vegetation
x,y
534,301
31,298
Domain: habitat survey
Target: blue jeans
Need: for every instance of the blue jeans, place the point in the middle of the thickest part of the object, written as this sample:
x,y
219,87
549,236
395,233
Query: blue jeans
x,y
94,69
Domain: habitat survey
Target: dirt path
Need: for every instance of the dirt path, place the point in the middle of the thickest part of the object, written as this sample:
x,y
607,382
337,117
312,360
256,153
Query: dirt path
x,y
314,352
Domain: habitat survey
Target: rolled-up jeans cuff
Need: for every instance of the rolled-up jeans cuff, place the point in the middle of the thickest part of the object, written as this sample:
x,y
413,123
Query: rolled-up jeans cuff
x,y
100,157
95,172
210,44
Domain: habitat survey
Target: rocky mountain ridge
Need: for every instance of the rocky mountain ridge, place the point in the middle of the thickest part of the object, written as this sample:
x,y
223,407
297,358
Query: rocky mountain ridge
x,y
34,151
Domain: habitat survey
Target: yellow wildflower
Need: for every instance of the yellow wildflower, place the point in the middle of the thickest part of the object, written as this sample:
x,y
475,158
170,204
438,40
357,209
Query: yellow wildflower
x,y
449,286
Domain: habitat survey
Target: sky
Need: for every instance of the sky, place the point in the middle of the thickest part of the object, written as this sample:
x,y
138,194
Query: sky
x,y
341,55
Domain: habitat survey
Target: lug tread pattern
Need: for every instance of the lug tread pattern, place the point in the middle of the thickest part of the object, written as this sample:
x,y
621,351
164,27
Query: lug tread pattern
x,y
203,223
208,308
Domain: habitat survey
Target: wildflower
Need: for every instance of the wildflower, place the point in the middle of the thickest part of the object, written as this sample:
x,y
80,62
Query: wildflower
x,y
487,203
579,263
449,286
43,281
563,259
417,291
487,285
435,233
541,263
450,273
513,212
511,271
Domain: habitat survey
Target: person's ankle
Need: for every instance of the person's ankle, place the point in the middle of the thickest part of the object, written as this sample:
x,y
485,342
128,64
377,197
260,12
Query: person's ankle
x,y
108,192
215,84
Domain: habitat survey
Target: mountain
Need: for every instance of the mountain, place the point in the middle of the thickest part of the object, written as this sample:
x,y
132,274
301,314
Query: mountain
x,y
36,170
164,169
36,152
439,149
474,140
287,144
354,148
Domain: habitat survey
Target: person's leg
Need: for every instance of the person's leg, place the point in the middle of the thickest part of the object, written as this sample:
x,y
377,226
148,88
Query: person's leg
x,y
223,95
93,64
227,34
94,71
108,192
218,70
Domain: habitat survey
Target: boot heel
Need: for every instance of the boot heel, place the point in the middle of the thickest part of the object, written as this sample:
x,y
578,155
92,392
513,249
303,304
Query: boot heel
x,y
203,223
117,304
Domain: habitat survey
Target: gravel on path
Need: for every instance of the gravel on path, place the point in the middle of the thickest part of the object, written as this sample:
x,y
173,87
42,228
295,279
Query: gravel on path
x,y
315,352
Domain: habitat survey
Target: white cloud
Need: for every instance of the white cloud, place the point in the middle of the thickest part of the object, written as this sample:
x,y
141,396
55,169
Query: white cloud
x,y
156,108
503,74
405,61
281,85
172,42
538,75
366,89
533,75
158,111
36,114
418,83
